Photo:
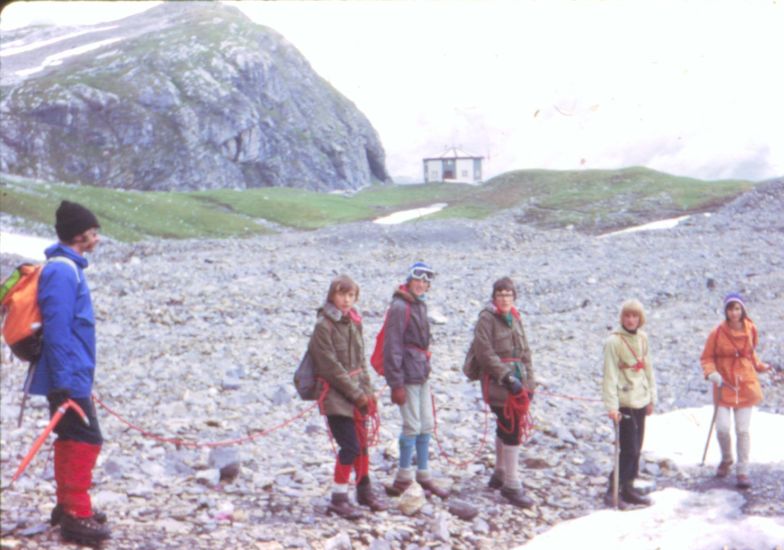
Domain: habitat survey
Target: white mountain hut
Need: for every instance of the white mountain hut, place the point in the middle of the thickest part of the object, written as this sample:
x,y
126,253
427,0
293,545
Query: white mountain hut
x,y
454,166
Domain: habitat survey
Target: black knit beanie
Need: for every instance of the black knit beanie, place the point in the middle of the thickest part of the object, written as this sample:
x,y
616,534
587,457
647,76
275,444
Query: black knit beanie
x,y
73,219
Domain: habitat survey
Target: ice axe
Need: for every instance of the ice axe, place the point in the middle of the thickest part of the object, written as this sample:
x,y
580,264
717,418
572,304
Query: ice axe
x,y
617,457
710,432
56,417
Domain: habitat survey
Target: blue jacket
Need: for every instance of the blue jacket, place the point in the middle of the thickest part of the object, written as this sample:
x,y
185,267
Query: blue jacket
x,y
68,359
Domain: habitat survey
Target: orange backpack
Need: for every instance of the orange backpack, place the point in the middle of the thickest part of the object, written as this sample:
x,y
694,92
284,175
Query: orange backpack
x,y
22,329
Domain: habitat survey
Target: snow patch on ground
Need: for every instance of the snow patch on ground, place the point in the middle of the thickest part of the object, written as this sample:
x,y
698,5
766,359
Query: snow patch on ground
x,y
57,58
677,520
12,49
406,215
25,246
659,224
680,436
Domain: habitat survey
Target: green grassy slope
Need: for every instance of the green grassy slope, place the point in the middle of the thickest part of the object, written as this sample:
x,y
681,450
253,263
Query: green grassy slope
x,y
125,215
598,200
591,200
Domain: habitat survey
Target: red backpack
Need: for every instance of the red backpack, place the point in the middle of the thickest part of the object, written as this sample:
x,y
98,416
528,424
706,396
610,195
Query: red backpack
x,y
377,358
21,314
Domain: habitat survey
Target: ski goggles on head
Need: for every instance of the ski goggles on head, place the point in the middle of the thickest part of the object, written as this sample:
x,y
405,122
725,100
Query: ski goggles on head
x,y
422,274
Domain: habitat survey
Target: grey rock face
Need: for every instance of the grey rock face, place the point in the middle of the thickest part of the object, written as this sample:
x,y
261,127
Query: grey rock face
x,y
191,96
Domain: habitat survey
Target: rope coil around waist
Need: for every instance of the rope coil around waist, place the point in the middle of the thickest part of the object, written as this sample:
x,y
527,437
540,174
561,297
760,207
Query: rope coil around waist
x,y
367,436
367,425
516,408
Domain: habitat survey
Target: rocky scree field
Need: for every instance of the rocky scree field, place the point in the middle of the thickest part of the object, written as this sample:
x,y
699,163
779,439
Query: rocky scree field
x,y
198,340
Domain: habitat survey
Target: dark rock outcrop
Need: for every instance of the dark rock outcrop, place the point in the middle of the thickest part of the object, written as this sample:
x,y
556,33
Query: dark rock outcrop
x,y
184,96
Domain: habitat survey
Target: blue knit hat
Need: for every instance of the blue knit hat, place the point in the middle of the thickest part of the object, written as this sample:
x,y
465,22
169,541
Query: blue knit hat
x,y
734,297
420,270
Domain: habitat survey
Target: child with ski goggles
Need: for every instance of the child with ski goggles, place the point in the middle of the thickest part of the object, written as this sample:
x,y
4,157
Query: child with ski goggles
x,y
421,273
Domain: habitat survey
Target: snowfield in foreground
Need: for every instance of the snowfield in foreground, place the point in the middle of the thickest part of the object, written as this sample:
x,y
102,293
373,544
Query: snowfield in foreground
x,y
677,520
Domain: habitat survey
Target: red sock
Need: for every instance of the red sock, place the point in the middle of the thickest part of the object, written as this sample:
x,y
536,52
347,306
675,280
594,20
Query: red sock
x,y
342,472
362,465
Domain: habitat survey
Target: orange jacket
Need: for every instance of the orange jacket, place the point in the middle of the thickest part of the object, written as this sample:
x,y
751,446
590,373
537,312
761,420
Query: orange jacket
x,y
732,354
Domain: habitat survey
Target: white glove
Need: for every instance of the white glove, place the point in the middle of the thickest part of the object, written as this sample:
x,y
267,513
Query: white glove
x,y
715,377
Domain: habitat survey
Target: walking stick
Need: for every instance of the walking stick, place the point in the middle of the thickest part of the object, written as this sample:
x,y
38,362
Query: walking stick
x,y
616,473
56,417
710,431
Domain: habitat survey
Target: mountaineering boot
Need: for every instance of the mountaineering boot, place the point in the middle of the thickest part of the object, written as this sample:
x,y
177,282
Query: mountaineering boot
x,y
58,512
431,487
743,482
608,499
83,530
631,496
512,490
517,497
366,497
340,505
496,480
398,487
403,480
724,469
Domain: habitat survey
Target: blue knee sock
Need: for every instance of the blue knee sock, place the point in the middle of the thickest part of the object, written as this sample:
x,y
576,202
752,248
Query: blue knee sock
x,y
422,450
406,443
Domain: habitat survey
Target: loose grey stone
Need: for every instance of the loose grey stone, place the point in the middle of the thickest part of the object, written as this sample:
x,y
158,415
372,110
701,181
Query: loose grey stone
x,y
462,509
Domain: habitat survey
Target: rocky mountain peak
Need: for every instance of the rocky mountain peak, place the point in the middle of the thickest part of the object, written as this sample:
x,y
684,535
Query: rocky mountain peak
x,y
184,96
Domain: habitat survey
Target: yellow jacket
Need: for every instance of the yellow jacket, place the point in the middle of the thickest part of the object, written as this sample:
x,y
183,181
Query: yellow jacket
x,y
628,374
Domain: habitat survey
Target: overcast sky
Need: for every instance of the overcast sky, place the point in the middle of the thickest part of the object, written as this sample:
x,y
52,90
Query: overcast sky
x,y
689,88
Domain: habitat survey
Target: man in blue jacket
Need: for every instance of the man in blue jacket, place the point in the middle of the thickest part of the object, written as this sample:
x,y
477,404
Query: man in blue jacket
x,y
66,370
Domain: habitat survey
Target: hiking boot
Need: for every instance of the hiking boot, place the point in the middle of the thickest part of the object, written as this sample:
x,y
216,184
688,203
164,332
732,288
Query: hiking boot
x,y
366,497
743,482
517,497
724,469
340,505
85,531
430,487
398,487
57,515
608,500
631,496
496,481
